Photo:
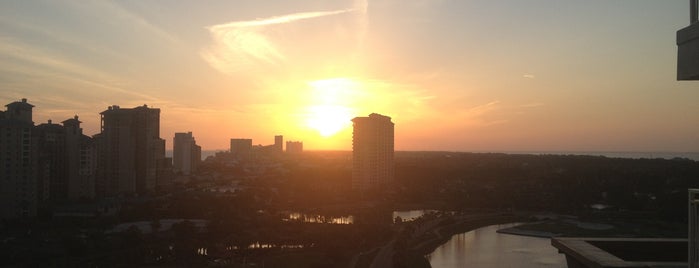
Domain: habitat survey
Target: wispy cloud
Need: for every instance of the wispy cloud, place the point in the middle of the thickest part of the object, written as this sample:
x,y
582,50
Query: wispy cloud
x,y
238,45
24,52
482,115
532,105
85,44
114,10
362,7
483,108
48,65
276,20
528,76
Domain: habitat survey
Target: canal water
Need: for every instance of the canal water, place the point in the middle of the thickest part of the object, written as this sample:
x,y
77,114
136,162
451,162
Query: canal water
x,y
484,247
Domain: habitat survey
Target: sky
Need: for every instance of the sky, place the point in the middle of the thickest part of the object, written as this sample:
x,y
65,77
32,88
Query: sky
x,y
456,75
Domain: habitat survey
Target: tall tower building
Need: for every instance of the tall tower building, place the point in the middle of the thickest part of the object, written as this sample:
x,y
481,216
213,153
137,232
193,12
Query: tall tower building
x,y
52,173
294,147
80,160
241,148
372,152
279,143
65,161
186,153
17,162
129,150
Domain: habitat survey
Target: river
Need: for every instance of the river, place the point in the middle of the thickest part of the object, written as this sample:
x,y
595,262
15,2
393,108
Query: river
x,y
484,247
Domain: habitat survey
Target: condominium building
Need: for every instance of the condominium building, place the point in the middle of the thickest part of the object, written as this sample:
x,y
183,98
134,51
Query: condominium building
x,y
52,175
279,143
130,150
17,162
80,160
372,152
186,153
294,147
241,147
65,158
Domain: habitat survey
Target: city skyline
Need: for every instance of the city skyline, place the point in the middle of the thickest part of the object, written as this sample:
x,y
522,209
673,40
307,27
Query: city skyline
x,y
454,75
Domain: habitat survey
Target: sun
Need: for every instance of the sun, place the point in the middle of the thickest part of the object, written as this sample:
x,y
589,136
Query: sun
x,y
328,119
329,111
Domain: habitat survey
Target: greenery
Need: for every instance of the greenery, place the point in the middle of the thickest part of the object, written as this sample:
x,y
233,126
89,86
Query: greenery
x,y
639,197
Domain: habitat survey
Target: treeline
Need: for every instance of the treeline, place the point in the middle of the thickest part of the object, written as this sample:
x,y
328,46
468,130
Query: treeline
x,y
563,183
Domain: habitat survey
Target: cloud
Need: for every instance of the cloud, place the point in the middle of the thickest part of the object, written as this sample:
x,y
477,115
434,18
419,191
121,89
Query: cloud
x,y
113,10
44,65
240,45
275,20
479,115
85,45
482,109
532,105
528,76
362,6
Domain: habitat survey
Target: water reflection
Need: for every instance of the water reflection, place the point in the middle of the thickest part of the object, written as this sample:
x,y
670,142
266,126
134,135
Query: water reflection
x,y
405,215
411,215
203,251
484,247
315,218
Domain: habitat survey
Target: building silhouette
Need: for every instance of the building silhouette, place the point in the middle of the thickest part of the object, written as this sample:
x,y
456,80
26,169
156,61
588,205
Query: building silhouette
x,y
80,160
18,187
130,151
52,174
294,147
186,153
65,161
688,46
279,143
372,153
241,147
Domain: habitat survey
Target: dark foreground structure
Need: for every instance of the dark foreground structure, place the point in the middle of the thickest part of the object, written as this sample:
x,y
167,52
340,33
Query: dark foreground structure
x,y
688,46
623,252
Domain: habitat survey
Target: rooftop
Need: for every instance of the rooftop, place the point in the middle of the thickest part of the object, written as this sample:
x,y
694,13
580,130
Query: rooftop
x,y
623,252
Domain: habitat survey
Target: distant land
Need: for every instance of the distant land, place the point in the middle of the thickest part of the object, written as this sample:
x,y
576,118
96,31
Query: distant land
x,y
633,155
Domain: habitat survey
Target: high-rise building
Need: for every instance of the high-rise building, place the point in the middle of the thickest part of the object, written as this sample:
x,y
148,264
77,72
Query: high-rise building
x,y
17,162
279,143
372,152
186,153
65,161
294,147
80,160
52,173
129,150
241,147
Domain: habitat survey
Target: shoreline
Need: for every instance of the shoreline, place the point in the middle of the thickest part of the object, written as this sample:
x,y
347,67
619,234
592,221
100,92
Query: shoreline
x,y
521,232
442,233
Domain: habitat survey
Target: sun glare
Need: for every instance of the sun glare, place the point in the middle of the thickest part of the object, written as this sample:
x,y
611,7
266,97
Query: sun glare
x,y
329,112
328,120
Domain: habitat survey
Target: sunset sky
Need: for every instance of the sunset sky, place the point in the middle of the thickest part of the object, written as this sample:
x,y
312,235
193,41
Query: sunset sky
x,y
459,75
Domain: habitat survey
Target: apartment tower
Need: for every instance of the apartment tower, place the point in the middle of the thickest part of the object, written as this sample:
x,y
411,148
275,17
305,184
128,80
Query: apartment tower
x,y
186,153
17,162
294,147
129,150
372,153
279,143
